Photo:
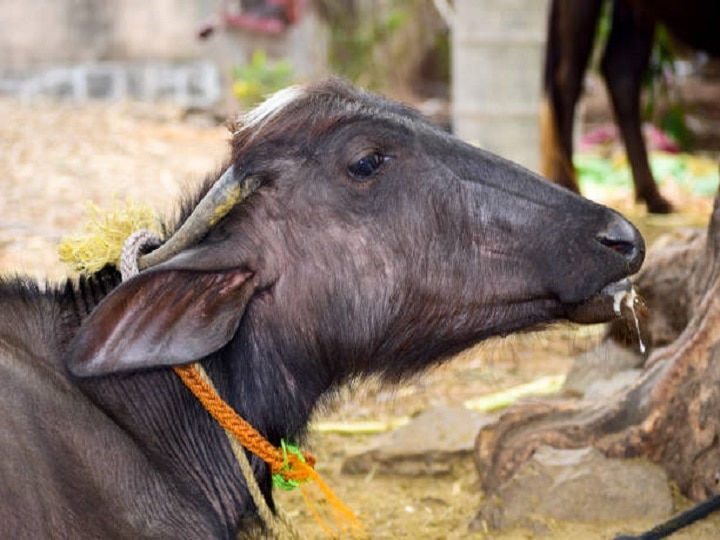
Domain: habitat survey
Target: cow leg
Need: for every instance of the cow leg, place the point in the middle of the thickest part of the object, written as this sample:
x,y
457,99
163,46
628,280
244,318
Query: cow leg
x,y
624,62
571,32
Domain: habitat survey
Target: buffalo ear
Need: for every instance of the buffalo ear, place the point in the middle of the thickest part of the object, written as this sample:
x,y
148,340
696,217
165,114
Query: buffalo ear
x,y
161,318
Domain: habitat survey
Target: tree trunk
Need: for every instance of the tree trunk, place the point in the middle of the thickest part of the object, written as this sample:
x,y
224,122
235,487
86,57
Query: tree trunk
x,y
670,415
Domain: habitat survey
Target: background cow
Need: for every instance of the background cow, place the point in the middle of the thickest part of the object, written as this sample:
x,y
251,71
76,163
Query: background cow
x,y
571,36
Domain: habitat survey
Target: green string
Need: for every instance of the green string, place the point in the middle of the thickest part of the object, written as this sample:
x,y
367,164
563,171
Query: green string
x,y
279,481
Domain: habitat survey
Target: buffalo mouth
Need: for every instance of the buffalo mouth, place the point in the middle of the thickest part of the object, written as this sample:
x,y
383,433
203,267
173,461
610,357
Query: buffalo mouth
x,y
604,306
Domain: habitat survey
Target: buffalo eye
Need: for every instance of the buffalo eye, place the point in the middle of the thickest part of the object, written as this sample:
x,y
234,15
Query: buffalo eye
x,y
367,166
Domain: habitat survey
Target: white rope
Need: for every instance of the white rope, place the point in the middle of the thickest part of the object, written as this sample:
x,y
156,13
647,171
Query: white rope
x,y
136,243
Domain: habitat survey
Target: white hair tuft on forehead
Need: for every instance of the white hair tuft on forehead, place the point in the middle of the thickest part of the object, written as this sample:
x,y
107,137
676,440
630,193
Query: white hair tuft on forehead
x,y
267,109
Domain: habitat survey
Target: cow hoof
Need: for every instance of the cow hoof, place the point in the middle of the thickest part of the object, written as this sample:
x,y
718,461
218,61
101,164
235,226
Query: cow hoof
x,y
659,205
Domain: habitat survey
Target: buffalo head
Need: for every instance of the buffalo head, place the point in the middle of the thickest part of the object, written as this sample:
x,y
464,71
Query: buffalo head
x,y
370,242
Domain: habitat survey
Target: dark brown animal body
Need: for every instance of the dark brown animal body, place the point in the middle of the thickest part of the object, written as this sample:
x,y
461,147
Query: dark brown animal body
x,y
371,243
571,34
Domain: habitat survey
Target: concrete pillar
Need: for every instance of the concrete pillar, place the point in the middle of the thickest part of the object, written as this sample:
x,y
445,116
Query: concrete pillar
x,y
497,65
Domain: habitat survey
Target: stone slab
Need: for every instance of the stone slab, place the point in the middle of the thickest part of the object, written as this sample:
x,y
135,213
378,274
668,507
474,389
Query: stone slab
x,y
430,445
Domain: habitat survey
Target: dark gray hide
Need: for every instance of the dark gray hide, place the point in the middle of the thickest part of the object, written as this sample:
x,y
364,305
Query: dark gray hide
x,y
376,244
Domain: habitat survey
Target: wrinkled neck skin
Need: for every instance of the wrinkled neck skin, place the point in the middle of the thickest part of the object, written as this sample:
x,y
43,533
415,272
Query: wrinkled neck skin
x,y
180,439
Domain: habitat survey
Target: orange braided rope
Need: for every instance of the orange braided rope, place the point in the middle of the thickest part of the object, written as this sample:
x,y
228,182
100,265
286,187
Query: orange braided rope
x,y
290,465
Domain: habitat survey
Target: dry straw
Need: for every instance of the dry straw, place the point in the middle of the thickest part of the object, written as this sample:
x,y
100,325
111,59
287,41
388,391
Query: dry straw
x,y
102,241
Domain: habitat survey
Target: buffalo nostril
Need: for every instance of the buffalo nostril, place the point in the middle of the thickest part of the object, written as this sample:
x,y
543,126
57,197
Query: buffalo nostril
x,y
627,249
624,239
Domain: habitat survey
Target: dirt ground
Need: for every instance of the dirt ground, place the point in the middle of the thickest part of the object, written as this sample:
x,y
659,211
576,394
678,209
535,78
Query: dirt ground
x,y
55,157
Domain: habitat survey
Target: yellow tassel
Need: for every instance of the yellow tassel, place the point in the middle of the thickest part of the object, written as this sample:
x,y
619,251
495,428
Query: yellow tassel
x,y
104,236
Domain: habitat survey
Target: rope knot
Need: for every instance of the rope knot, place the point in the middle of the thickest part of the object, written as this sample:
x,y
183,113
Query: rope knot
x,y
294,468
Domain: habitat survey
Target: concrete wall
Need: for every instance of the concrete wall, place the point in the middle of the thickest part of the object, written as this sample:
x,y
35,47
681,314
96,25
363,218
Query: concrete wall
x,y
144,49
498,51
44,32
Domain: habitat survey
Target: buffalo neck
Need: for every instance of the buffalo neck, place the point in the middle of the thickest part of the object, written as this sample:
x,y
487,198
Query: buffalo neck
x,y
183,446
182,443
273,385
